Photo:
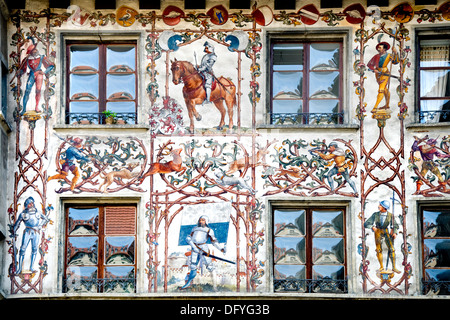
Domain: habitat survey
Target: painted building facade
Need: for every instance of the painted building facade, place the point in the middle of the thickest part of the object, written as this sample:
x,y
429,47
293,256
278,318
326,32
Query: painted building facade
x,y
260,148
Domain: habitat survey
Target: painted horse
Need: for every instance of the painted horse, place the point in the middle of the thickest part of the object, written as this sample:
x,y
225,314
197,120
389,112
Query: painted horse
x,y
194,92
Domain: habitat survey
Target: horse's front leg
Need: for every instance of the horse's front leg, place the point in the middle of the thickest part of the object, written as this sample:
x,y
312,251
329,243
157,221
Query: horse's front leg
x,y
191,116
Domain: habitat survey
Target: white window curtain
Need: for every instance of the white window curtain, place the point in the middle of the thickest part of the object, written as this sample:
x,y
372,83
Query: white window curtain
x,y
433,83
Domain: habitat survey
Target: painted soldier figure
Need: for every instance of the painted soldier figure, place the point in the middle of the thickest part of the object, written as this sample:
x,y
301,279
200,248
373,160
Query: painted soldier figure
x,y
427,152
380,65
33,221
68,162
206,70
385,228
341,167
34,62
199,249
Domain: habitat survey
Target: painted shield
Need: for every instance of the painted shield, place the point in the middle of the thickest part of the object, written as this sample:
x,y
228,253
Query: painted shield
x,y
355,13
445,10
218,14
172,15
403,13
78,16
263,15
126,16
168,40
238,40
309,14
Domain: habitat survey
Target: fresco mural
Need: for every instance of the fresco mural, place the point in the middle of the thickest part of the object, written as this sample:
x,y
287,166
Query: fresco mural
x,y
204,168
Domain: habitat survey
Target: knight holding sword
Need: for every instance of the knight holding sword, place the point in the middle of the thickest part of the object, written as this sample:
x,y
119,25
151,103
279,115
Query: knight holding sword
x,y
200,255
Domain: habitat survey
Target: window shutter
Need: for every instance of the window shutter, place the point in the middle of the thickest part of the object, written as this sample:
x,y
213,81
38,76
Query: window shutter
x,y
120,220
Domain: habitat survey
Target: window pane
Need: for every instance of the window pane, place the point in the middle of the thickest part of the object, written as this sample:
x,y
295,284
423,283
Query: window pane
x,y
436,253
435,53
436,223
89,109
84,56
324,85
83,87
119,250
437,275
287,85
324,56
332,272
328,251
289,250
120,58
120,87
288,56
81,279
287,106
328,223
289,272
434,83
434,105
121,279
289,223
323,106
83,221
82,251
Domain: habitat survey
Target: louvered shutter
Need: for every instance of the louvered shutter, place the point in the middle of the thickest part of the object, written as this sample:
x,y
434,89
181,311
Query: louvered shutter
x,y
120,220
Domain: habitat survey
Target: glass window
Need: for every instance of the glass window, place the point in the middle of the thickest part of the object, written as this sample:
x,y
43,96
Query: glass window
x,y
436,250
102,77
309,250
100,249
306,83
434,87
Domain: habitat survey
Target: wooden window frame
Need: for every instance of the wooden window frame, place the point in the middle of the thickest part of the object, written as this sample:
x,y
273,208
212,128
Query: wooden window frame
x,y
101,263
306,73
428,285
102,99
309,234
420,38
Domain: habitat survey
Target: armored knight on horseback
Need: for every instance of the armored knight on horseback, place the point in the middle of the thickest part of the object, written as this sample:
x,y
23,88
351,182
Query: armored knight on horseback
x,y
205,69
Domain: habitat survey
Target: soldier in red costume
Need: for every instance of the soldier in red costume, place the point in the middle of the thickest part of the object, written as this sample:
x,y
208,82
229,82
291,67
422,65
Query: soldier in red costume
x,y
34,62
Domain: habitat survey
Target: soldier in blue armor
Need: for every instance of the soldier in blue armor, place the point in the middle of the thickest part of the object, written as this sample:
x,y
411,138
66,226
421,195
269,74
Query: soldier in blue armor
x,y
33,221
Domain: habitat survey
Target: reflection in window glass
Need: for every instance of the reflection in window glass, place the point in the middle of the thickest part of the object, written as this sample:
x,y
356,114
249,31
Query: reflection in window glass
x,y
119,250
83,87
82,250
120,87
328,223
295,89
324,56
436,250
83,221
309,246
331,272
328,251
84,55
120,59
95,261
287,85
103,73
